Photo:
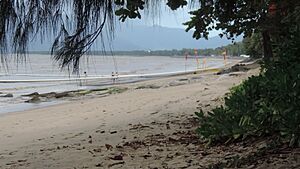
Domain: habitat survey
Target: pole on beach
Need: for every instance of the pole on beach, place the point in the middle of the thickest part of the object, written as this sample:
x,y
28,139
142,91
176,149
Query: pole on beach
x,y
196,57
225,57
186,57
85,76
204,63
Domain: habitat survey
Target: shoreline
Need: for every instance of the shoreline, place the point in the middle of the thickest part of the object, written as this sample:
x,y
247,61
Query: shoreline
x,y
47,103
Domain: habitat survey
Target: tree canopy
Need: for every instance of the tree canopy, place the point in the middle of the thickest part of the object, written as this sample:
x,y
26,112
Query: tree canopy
x,y
76,24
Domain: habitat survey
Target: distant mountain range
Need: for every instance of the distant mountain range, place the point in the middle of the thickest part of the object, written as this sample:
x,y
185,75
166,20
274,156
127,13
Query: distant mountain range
x,y
139,37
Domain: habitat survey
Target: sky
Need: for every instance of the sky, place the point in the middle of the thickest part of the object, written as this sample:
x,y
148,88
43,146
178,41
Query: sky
x,y
164,18
167,18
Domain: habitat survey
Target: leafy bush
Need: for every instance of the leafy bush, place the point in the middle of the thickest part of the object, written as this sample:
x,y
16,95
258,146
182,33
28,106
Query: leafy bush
x,y
244,114
268,104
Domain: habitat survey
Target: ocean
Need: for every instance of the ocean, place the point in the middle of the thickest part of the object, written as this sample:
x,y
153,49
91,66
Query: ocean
x,y
38,67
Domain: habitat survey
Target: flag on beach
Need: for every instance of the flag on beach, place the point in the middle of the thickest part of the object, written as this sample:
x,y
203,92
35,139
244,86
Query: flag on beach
x,y
196,52
186,55
196,57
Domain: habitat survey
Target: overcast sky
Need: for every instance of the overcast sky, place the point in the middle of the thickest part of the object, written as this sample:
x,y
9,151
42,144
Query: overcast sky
x,y
167,18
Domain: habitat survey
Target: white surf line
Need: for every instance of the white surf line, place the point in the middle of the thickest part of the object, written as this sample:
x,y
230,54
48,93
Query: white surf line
x,y
110,77
45,75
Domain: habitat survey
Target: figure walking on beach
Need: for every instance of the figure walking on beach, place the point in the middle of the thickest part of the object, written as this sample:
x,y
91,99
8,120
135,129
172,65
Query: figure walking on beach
x,y
85,76
114,76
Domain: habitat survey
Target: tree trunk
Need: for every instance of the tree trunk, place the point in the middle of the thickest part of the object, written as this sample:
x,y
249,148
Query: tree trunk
x,y
268,53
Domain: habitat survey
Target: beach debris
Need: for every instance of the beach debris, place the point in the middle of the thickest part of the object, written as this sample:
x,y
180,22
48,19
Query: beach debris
x,y
97,150
169,156
48,95
116,90
154,113
206,105
84,92
168,126
139,126
118,163
183,79
72,93
99,165
32,94
12,153
117,157
113,132
218,99
100,131
119,146
61,95
7,95
65,146
241,67
176,83
172,140
146,156
235,68
11,163
77,144
22,160
150,86
109,147
196,78
34,99
236,73
135,144
90,139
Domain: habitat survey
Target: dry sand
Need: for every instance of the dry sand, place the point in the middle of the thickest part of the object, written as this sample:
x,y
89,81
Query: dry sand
x,y
151,125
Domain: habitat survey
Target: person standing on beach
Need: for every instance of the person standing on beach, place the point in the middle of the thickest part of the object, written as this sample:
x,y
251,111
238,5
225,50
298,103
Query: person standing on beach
x,y
85,76
113,77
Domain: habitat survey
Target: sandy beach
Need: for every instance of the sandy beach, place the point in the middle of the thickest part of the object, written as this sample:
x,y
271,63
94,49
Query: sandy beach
x,y
150,125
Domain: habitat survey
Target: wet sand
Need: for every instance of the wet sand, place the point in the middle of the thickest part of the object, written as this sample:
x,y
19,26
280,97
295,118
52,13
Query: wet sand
x,y
150,125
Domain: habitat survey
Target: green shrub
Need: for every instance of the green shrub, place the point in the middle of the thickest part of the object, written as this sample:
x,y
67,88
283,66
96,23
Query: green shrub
x,y
268,104
244,114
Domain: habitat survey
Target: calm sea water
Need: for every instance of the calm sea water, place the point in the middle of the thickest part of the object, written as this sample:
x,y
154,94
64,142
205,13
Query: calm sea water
x,y
42,67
